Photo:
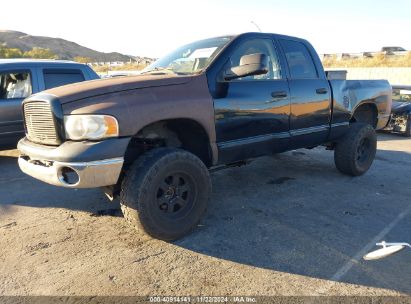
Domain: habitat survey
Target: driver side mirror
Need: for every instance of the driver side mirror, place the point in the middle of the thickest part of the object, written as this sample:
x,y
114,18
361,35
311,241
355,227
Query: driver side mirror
x,y
250,65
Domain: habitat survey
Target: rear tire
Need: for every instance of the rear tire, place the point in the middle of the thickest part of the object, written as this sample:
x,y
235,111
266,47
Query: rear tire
x,y
355,152
166,192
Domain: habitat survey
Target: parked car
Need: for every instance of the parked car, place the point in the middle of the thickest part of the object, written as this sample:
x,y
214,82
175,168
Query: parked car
x,y
392,49
400,121
19,78
152,138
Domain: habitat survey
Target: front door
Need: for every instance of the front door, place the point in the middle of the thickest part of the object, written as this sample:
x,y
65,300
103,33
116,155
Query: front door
x,y
14,87
252,113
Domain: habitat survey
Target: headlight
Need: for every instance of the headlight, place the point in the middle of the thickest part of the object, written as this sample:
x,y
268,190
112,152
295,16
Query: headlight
x,y
79,127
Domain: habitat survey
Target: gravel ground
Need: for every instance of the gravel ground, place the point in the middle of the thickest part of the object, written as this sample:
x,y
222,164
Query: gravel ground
x,y
290,224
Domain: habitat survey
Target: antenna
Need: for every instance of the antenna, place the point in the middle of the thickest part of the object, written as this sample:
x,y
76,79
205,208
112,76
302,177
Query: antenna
x,y
256,25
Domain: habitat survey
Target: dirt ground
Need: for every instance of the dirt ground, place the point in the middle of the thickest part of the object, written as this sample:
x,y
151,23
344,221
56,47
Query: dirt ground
x,y
290,224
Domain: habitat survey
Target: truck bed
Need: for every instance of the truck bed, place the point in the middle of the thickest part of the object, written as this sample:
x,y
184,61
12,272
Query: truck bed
x,y
348,95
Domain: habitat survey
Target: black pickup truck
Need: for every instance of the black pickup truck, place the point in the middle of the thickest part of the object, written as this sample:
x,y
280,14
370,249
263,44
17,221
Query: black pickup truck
x,y
151,139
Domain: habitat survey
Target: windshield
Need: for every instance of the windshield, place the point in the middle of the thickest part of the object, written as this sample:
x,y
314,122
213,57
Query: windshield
x,y
189,59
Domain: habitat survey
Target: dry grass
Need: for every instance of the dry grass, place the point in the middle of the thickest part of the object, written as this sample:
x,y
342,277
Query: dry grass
x,y
380,60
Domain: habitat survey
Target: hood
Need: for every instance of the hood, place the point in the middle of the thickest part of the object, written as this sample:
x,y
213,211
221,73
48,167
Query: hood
x,y
399,107
86,89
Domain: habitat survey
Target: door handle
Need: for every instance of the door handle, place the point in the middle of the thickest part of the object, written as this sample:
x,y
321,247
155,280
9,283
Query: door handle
x,y
322,91
279,94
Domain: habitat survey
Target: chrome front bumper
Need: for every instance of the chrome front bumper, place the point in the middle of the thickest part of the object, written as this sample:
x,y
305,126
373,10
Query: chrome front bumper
x,y
73,174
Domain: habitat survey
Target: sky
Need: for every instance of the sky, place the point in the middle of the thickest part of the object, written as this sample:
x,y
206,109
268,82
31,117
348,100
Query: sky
x,y
152,28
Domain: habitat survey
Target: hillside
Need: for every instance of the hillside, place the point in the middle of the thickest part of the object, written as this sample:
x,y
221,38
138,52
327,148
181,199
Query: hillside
x,y
64,49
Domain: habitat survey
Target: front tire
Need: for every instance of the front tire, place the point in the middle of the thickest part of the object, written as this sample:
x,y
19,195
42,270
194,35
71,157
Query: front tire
x,y
355,152
166,192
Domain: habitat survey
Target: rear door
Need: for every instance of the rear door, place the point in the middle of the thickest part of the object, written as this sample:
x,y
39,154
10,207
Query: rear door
x,y
55,77
310,96
15,85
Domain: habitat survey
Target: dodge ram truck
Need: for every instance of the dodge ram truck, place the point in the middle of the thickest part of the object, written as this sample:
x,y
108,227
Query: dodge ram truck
x,y
19,78
152,139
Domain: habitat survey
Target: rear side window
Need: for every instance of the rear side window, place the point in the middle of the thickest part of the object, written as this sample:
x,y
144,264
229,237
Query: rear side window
x,y
299,60
59,77
15,85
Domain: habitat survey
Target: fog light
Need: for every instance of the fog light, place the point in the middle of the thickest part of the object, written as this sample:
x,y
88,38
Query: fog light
x,y
69,176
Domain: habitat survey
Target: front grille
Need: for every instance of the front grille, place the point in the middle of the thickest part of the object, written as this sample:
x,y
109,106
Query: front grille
x,y
40,124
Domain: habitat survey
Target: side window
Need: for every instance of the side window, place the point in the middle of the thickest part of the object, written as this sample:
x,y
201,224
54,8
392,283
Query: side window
x,y
299,60
59,77
263,46
15,85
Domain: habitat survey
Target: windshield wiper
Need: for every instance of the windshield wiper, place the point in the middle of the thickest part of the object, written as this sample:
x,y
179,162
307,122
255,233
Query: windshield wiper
x,y
164,70
158,69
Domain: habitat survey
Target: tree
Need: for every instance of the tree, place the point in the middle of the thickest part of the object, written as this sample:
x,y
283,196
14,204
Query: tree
x,y
81,59
6,52
40,53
